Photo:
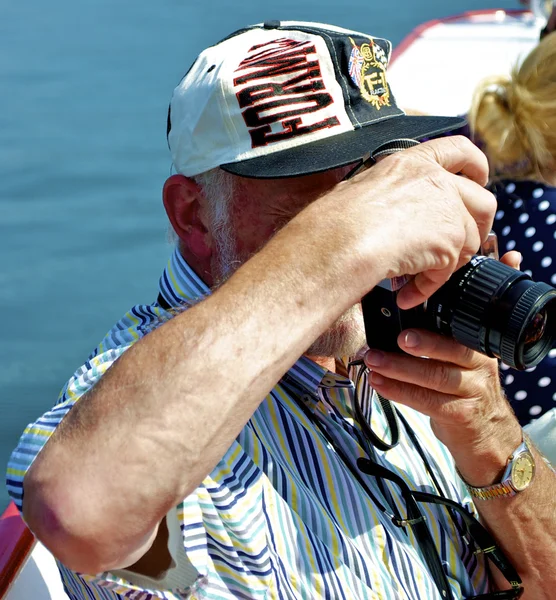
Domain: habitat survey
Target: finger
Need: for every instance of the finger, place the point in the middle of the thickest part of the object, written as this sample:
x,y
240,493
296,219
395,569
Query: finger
x,y
431,374
425,284
457,155
512,259
437,405
481,205
420,342
422,287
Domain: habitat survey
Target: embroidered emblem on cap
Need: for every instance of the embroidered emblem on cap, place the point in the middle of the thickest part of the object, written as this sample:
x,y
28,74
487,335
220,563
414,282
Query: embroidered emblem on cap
x,y
367,69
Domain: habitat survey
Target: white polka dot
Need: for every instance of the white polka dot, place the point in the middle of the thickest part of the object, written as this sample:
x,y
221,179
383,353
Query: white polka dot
x,y
518,203
544,381
530,369
544,205
551,219
509,379
554,397
523,218
530,232
506,230
499,215
537,193
521,395
504,366
510,188
546,261
538,246
535,410
510,245
554,234
553,279
552,353
528,272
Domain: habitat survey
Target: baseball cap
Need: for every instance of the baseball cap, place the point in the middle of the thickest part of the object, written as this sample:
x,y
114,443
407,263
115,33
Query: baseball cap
x,y
289,98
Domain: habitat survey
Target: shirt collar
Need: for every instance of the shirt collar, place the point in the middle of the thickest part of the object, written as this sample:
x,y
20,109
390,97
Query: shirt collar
x,y
179,285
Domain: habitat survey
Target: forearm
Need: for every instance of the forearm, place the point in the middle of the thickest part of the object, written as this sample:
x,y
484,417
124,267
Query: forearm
x,y
524,525
168,410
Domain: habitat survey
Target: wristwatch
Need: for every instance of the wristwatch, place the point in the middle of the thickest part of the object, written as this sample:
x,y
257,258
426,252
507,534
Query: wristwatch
x,y
517,476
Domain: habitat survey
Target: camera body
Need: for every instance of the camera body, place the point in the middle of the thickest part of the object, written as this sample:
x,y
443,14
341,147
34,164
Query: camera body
x,y
384,320
485,305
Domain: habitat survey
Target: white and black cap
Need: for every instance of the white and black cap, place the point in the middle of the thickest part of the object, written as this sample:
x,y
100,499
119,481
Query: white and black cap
x,y
289,98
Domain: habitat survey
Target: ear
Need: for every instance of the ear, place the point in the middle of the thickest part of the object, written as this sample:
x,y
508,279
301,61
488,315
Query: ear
x,y
183,203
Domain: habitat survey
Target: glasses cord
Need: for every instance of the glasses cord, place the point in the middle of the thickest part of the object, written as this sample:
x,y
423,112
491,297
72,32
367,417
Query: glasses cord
x,y
481,537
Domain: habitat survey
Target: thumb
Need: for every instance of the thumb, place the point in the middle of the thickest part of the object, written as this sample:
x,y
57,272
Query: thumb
x,y
512,259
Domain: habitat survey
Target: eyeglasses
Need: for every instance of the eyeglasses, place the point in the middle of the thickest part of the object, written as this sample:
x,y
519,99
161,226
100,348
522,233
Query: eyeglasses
x,y
474,533
370,158
482,539
366,162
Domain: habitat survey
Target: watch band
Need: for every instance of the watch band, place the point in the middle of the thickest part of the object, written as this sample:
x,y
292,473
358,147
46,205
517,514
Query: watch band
x,y
490,491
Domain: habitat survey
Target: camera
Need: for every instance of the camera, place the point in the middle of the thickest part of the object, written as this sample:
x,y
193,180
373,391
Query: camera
x,y
485,305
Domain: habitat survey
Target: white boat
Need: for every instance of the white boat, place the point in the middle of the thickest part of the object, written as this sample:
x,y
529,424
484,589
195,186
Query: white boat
x,y
436,67
434,70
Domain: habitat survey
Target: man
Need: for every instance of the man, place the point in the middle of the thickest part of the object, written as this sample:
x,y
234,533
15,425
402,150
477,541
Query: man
x,y
195,455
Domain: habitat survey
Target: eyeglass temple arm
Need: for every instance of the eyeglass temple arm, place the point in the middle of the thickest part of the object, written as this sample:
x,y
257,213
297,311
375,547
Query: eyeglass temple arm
x,y
482,538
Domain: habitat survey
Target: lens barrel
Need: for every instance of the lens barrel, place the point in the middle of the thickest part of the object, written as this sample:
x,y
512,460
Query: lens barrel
x,y
498,311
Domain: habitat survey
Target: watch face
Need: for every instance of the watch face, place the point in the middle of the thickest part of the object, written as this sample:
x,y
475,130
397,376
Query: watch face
x,y
523,470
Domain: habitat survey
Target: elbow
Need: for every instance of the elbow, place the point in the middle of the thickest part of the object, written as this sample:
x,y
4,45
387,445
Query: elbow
x,y
70,526
78,549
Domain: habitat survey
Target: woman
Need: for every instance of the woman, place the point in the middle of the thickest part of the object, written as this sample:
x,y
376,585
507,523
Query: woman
x,y
513,120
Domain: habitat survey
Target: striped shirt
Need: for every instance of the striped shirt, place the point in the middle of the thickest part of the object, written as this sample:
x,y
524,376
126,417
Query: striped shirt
x,y
282,516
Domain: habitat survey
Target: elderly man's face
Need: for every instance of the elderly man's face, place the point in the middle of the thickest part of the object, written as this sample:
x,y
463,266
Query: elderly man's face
x,y
261,208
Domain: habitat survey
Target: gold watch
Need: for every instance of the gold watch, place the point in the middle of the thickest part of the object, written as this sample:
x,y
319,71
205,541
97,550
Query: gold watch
x,y
517,476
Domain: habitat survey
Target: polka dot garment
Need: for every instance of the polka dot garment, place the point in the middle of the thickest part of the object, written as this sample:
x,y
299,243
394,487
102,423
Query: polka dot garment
x,y
526,221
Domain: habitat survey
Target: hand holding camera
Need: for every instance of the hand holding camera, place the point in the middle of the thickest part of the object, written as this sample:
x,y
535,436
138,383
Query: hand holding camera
x,y
485,305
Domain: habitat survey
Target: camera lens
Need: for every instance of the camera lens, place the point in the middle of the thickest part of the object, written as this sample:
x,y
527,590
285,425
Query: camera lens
x,y
496,310
536,330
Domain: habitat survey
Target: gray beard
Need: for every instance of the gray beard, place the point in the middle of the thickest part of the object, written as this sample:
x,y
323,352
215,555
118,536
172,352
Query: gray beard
x,y
345,337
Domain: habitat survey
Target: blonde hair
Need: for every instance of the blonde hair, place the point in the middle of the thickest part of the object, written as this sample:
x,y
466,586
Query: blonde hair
x,y
513,118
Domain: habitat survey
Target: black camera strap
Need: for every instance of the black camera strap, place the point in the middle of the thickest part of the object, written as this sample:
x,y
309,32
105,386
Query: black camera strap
x,y
475,533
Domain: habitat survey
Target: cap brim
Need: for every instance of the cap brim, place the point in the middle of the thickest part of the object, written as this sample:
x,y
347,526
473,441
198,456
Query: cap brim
x,y
342,149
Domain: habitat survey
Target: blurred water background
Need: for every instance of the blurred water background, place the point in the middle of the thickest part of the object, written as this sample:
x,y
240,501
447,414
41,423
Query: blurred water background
x,y
84,90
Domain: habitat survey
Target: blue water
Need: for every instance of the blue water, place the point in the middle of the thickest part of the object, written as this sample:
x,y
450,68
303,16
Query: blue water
x,y
84,89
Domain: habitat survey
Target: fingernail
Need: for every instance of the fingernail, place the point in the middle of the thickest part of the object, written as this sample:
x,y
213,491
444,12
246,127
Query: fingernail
x,y
412,339
376,379
520,258
374,358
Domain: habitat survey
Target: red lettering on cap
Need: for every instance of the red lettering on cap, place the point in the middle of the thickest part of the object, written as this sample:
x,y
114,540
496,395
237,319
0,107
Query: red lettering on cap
x,y
277,101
